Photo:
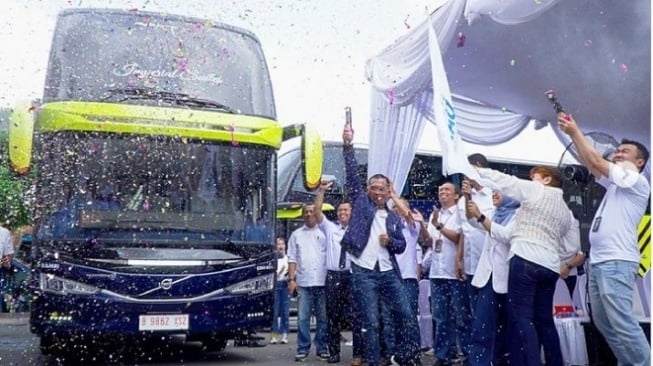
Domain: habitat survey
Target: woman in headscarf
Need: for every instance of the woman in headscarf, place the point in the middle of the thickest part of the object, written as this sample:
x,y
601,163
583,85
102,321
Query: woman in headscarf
x,y
489,336
536,250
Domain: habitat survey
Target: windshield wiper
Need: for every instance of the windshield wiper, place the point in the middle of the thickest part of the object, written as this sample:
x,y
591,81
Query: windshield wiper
x,y
176,98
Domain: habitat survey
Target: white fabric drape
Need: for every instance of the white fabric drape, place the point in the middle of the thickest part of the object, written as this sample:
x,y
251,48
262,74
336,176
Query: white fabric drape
x,y
454,158
507,12
401,79
402,89
481,124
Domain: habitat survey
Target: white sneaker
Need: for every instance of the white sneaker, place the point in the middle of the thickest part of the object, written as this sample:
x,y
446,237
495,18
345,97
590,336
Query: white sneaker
x,y
430,352
284,339
273,340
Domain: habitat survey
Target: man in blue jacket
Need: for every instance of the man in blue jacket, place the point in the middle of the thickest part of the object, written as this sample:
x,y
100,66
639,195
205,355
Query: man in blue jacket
x,y
373,237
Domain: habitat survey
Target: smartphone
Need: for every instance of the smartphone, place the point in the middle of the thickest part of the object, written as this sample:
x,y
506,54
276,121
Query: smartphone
x,y
348,116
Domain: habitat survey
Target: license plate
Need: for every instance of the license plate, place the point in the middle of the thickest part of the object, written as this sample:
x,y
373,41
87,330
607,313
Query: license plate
x,y
163,322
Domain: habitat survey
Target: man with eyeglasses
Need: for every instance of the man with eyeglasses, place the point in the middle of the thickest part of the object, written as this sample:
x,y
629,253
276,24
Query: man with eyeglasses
x,y
373,238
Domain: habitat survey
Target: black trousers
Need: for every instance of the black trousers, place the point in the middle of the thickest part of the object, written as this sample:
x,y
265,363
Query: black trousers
x,y
338,307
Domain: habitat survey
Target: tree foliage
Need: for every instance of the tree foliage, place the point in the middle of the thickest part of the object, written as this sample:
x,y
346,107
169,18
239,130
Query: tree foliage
x,y
16,193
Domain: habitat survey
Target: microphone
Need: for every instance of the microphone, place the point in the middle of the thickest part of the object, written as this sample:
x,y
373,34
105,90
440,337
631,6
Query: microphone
x,y
551,96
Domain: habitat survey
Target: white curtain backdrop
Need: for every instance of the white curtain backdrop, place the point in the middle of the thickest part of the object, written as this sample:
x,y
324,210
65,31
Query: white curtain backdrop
x,y
401,79
402,90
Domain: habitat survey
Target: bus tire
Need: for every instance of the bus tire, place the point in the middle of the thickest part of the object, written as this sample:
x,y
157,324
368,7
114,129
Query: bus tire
x,y
214,344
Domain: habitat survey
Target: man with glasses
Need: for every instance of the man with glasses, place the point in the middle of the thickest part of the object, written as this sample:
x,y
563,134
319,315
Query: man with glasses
x,y
373,238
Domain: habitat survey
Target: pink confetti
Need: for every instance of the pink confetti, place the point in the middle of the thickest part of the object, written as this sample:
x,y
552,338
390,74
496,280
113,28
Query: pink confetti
x,y
146,205
623,68
233,137
183,64
587,43
461,40
391,96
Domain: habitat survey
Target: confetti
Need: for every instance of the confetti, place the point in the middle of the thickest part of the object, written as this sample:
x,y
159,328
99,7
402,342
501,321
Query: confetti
x,y
623,68
391,96
512,62
587,43
233,137
183,64
406,22
461,40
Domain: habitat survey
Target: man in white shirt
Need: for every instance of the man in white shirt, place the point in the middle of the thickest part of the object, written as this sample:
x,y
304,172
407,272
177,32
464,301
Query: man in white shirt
x,y
338,280
410,263
373,238
446,290
470,247
307,274
614,254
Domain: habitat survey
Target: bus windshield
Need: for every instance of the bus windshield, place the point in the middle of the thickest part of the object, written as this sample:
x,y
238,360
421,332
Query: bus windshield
x,y
140,187
123,57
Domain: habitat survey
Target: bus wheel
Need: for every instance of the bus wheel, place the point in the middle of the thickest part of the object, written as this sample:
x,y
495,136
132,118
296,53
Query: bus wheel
x,y
214,345
47,344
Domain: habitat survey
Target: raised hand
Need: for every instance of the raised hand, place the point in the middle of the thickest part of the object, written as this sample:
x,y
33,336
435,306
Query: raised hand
x,y
347,134
567,123
472,208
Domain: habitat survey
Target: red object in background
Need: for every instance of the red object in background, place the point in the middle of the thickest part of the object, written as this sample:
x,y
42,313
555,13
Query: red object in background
x,y
563,309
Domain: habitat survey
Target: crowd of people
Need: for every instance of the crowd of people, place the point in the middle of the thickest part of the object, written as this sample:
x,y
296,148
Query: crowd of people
x,y
492,249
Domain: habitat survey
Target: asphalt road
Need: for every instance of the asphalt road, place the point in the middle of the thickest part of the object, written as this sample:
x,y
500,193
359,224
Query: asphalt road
x,y
18,347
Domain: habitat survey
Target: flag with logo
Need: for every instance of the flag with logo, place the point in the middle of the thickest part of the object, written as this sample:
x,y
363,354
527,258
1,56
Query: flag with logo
x,y
454,158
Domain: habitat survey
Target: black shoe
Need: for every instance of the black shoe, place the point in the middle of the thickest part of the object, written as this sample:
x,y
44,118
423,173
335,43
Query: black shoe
x,y
254,343
335,358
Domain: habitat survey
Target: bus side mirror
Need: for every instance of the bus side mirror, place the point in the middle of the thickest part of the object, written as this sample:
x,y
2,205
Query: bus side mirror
x,y
312,157
312,154
21,135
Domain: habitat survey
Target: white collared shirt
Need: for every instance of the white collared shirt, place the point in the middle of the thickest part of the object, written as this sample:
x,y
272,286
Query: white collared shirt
x,y
307,248
443,264
494,258
541,222
334,233
6,243
616,238
373,251
475,234
412,255
282,268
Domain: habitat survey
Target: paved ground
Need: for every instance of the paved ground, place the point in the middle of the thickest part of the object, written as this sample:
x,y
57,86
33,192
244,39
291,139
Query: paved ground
x,y
18,347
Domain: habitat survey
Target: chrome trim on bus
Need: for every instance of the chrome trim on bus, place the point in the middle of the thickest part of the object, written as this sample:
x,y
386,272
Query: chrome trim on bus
x,y
165,262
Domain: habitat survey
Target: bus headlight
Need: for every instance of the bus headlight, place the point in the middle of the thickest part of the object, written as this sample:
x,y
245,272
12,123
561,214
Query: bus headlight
x,y
253,286
61,286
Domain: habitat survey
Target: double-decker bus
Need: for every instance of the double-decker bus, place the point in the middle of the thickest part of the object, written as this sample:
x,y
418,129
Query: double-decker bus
x,y
154,152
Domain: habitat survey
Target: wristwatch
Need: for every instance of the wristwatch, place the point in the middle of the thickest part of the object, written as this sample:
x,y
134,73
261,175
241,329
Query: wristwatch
x,y
291,279
569,266
439,226
481,219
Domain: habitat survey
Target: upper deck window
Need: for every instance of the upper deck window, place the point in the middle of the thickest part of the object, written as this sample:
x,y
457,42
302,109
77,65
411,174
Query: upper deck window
x,y
106,55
